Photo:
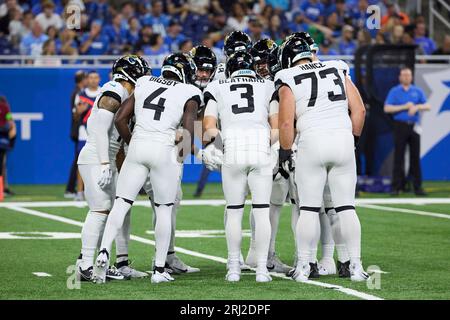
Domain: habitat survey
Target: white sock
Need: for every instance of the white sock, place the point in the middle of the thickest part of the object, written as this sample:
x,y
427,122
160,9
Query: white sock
x,y
114,223
162,233
252,229
262,236
326,236
173,226
90,235
308,234
351,234
233,232
337,236
274,214
295,213
123,238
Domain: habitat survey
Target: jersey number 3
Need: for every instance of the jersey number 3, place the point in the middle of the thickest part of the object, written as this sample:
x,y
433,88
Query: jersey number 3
x,y
314,86
248,95
159,107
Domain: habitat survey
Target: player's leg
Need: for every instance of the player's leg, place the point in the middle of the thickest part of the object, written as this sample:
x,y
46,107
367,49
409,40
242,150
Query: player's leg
x,y
130,181
99,202
165,179
343,263
342,181
310,178
234,184
326,264
260,184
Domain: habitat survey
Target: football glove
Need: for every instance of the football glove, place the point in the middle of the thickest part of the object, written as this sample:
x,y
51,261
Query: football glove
x,y
286,162
211,157
105,177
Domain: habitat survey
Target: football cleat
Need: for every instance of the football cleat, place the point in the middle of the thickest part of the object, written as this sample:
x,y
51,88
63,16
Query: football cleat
x,y
301,273
113,274
85,275
177,266
101,266
263,276
357,272
327,267
343,269
158,277
274,264
128,272
233,275
314,273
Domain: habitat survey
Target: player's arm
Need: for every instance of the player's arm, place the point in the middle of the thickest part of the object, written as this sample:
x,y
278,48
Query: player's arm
x,y
356,107
273,121
211,114
286,117
189,117
123,118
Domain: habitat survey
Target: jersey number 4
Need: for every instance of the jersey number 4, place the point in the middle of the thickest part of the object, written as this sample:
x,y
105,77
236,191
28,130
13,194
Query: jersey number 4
x,y
159,107
314,85
247,94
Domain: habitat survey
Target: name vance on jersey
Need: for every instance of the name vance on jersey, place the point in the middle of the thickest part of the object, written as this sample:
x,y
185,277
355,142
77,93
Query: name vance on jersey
x,y
164,81
241,79
312,65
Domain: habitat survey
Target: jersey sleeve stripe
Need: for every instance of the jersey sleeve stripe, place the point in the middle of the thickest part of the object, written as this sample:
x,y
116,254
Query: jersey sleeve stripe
x,y
111,94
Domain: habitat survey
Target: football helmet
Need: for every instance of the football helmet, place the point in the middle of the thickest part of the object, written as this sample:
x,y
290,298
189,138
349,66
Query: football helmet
x,y
293,50
260,53
130,68
205,60
240,63
236,41
180,64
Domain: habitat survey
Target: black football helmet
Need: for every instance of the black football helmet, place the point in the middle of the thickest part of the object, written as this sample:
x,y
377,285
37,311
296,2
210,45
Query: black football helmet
x,y
180,64
240,63
130,68
260,53
309,40
294,49
236,41
273,61
204,59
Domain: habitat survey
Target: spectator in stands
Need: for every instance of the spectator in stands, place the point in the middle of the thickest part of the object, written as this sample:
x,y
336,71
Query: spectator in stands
x,y
313,11
396,35
177,8
186,46
405,102
279,4
7,138
132,34
325,48
218,23
174,36
48,49
347,45
48,17
275,32
94,42
360,15
7,6
116,35
445,48
421,39
128,12
32,43
393,12
238,20
66,44
143,43
298,23
98,10
363,38
408,38
255,29
16,28
157,19
157,50
52,33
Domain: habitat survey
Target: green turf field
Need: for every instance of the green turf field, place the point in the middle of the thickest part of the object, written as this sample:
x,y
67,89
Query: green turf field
x,y
408,241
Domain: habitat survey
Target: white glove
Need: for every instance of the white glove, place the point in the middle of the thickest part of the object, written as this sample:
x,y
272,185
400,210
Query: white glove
x,y
212,157
105,177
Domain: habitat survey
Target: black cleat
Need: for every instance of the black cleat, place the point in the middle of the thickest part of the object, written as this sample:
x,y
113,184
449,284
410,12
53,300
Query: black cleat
x,y
314,273
85,275
113,274
343,269
290,273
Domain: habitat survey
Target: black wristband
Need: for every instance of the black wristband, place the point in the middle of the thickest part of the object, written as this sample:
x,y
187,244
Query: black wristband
x,y
284,154
356,139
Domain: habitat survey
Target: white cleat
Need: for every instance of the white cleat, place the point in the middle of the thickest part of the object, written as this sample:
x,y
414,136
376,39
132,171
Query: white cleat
x,y
242,264
357,273
251,257
274,264
178,266
101,266
263,276
327,267
233,276
158,277
301,273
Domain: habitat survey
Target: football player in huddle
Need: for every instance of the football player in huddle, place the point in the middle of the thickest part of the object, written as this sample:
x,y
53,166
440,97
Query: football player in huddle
x,y
97,165
241,103
160,105
319,96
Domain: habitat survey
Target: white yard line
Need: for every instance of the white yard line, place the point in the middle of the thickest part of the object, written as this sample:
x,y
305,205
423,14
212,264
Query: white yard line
x,y
410,211
42,274
221,202
342,289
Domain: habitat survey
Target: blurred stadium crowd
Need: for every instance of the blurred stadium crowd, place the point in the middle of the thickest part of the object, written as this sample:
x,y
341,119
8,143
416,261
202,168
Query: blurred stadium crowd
x,y
156,28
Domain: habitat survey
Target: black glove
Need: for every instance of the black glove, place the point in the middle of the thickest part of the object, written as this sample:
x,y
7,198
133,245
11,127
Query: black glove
x,y
286,162
356,139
